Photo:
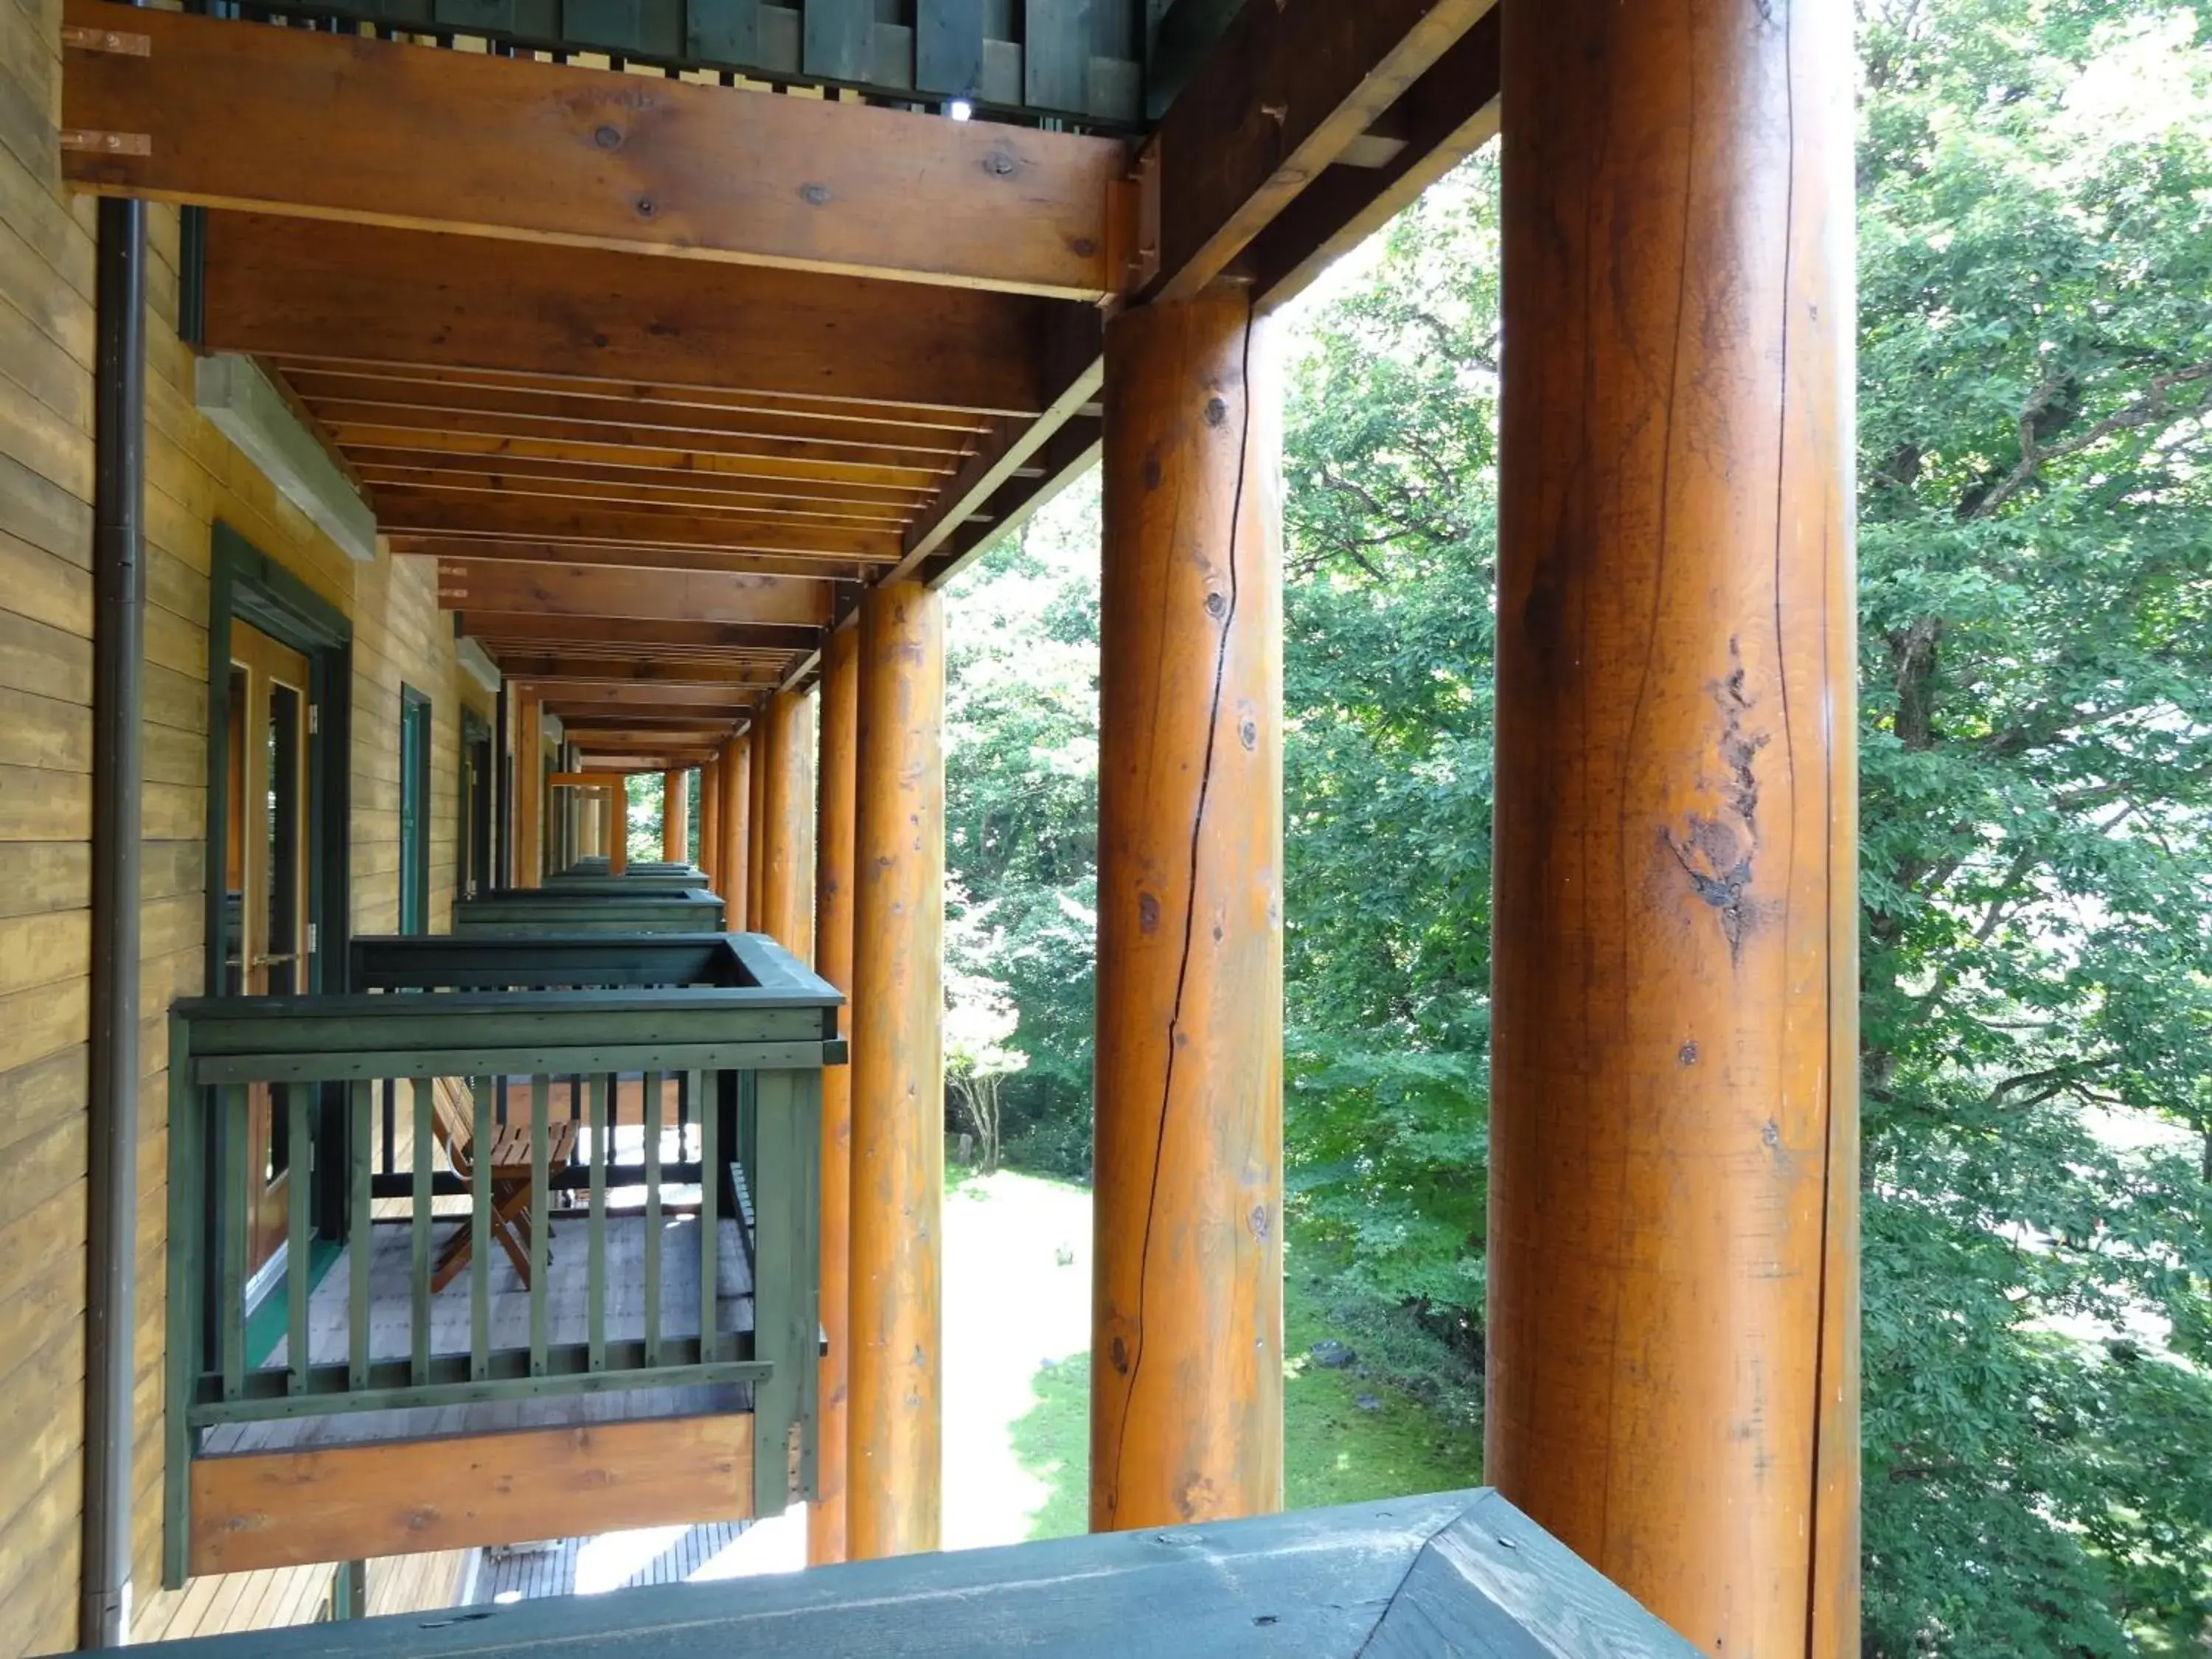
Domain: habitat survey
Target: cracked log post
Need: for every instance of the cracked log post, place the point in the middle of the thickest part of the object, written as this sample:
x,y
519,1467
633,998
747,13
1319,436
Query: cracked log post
x,y
1186,1322
833,960
710,837
894,1437
733,828
1673,1251
675,816
788,824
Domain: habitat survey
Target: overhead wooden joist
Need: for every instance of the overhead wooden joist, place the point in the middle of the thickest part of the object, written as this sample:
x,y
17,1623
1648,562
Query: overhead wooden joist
x,y
326,126
1285,93
413,511
677,413
568,698
700,597
496,628
469,475
618,555
548,670
368,295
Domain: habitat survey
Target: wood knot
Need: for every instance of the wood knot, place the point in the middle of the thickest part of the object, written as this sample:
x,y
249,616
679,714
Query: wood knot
x,y
815,195
1216,411
607,138
1216,606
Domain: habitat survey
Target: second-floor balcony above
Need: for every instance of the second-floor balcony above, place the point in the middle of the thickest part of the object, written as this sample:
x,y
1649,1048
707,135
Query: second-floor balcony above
x,y
458,1258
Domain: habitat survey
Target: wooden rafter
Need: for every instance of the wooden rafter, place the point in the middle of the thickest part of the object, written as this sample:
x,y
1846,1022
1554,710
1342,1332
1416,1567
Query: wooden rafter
x,y
299,122
368,294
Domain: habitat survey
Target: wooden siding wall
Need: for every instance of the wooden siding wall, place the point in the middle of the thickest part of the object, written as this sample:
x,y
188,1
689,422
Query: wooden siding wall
x,y
46,353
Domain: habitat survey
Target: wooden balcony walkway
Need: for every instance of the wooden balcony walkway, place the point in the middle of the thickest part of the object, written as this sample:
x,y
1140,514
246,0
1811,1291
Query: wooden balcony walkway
x,y
567,1320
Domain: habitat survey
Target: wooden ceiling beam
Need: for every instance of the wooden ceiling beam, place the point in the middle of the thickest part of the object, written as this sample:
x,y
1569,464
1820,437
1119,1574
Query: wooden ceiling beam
x,y
566,699
546,671
525,631
1442,119
620,492
901,483
1282,95
404,512
327,127
527,410
870,500
620,556
671,402
366,295
353,416
507,597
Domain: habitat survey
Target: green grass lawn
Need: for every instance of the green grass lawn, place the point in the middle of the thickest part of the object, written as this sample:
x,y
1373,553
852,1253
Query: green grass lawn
x,y
1336,1451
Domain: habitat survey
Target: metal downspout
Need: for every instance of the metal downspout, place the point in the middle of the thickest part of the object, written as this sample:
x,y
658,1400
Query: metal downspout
x,y
119,654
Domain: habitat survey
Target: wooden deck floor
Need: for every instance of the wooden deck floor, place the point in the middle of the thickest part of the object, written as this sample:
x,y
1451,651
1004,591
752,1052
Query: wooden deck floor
x,y
611,1561
567,1320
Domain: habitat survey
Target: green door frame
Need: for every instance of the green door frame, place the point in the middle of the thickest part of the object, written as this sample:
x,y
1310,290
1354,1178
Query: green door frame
x,y
415,731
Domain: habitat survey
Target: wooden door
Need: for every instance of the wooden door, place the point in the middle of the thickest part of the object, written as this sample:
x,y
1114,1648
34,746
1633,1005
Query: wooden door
x,y
268,853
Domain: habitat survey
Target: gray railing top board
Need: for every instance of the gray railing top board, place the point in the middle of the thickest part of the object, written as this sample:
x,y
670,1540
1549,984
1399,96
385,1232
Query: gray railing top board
x,y
480,962
1459,1573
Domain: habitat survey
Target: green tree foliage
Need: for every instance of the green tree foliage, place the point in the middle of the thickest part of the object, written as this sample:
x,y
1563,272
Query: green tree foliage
x,y
2036,554
2035,185
1021,834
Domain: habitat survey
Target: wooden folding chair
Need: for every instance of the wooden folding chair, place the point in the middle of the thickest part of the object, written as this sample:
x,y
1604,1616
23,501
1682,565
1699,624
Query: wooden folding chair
x,y
512,1217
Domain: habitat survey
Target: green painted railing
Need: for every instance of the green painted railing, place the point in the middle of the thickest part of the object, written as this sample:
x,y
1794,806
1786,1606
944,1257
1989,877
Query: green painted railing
x,y
556,909
379,1102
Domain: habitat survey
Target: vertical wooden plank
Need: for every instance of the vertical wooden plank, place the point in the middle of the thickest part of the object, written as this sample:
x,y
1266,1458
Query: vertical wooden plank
x,y
1056,54
836,38
602,1087
723,31
530,791
297,1249
1672,1377
237,1142
774,1194
651,1116
1186,1333
361,1237
735,822
481,1139
710,1184
418,1234
948,49
541,1210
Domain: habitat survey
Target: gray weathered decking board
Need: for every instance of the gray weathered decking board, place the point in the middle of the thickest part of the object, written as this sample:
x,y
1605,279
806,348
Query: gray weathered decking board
x,y
567,1316
1459,1573
535,1574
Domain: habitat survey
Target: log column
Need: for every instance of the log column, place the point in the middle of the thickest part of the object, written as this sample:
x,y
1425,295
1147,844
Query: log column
x,y
1673,1365
787,840
618,826
833,961
741,761
675,817
710,839
1187,1346
765,757
896,1433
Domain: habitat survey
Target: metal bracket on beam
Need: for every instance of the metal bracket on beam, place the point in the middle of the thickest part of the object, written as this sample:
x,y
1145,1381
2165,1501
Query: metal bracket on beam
x,y
123,42
106,143
1136,214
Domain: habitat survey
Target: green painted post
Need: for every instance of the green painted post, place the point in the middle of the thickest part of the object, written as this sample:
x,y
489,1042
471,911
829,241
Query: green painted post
x,y
237,1148
709,1193
651,1116
420,1212
541,1198
361,1231
296,1246
480,1139
602,1087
